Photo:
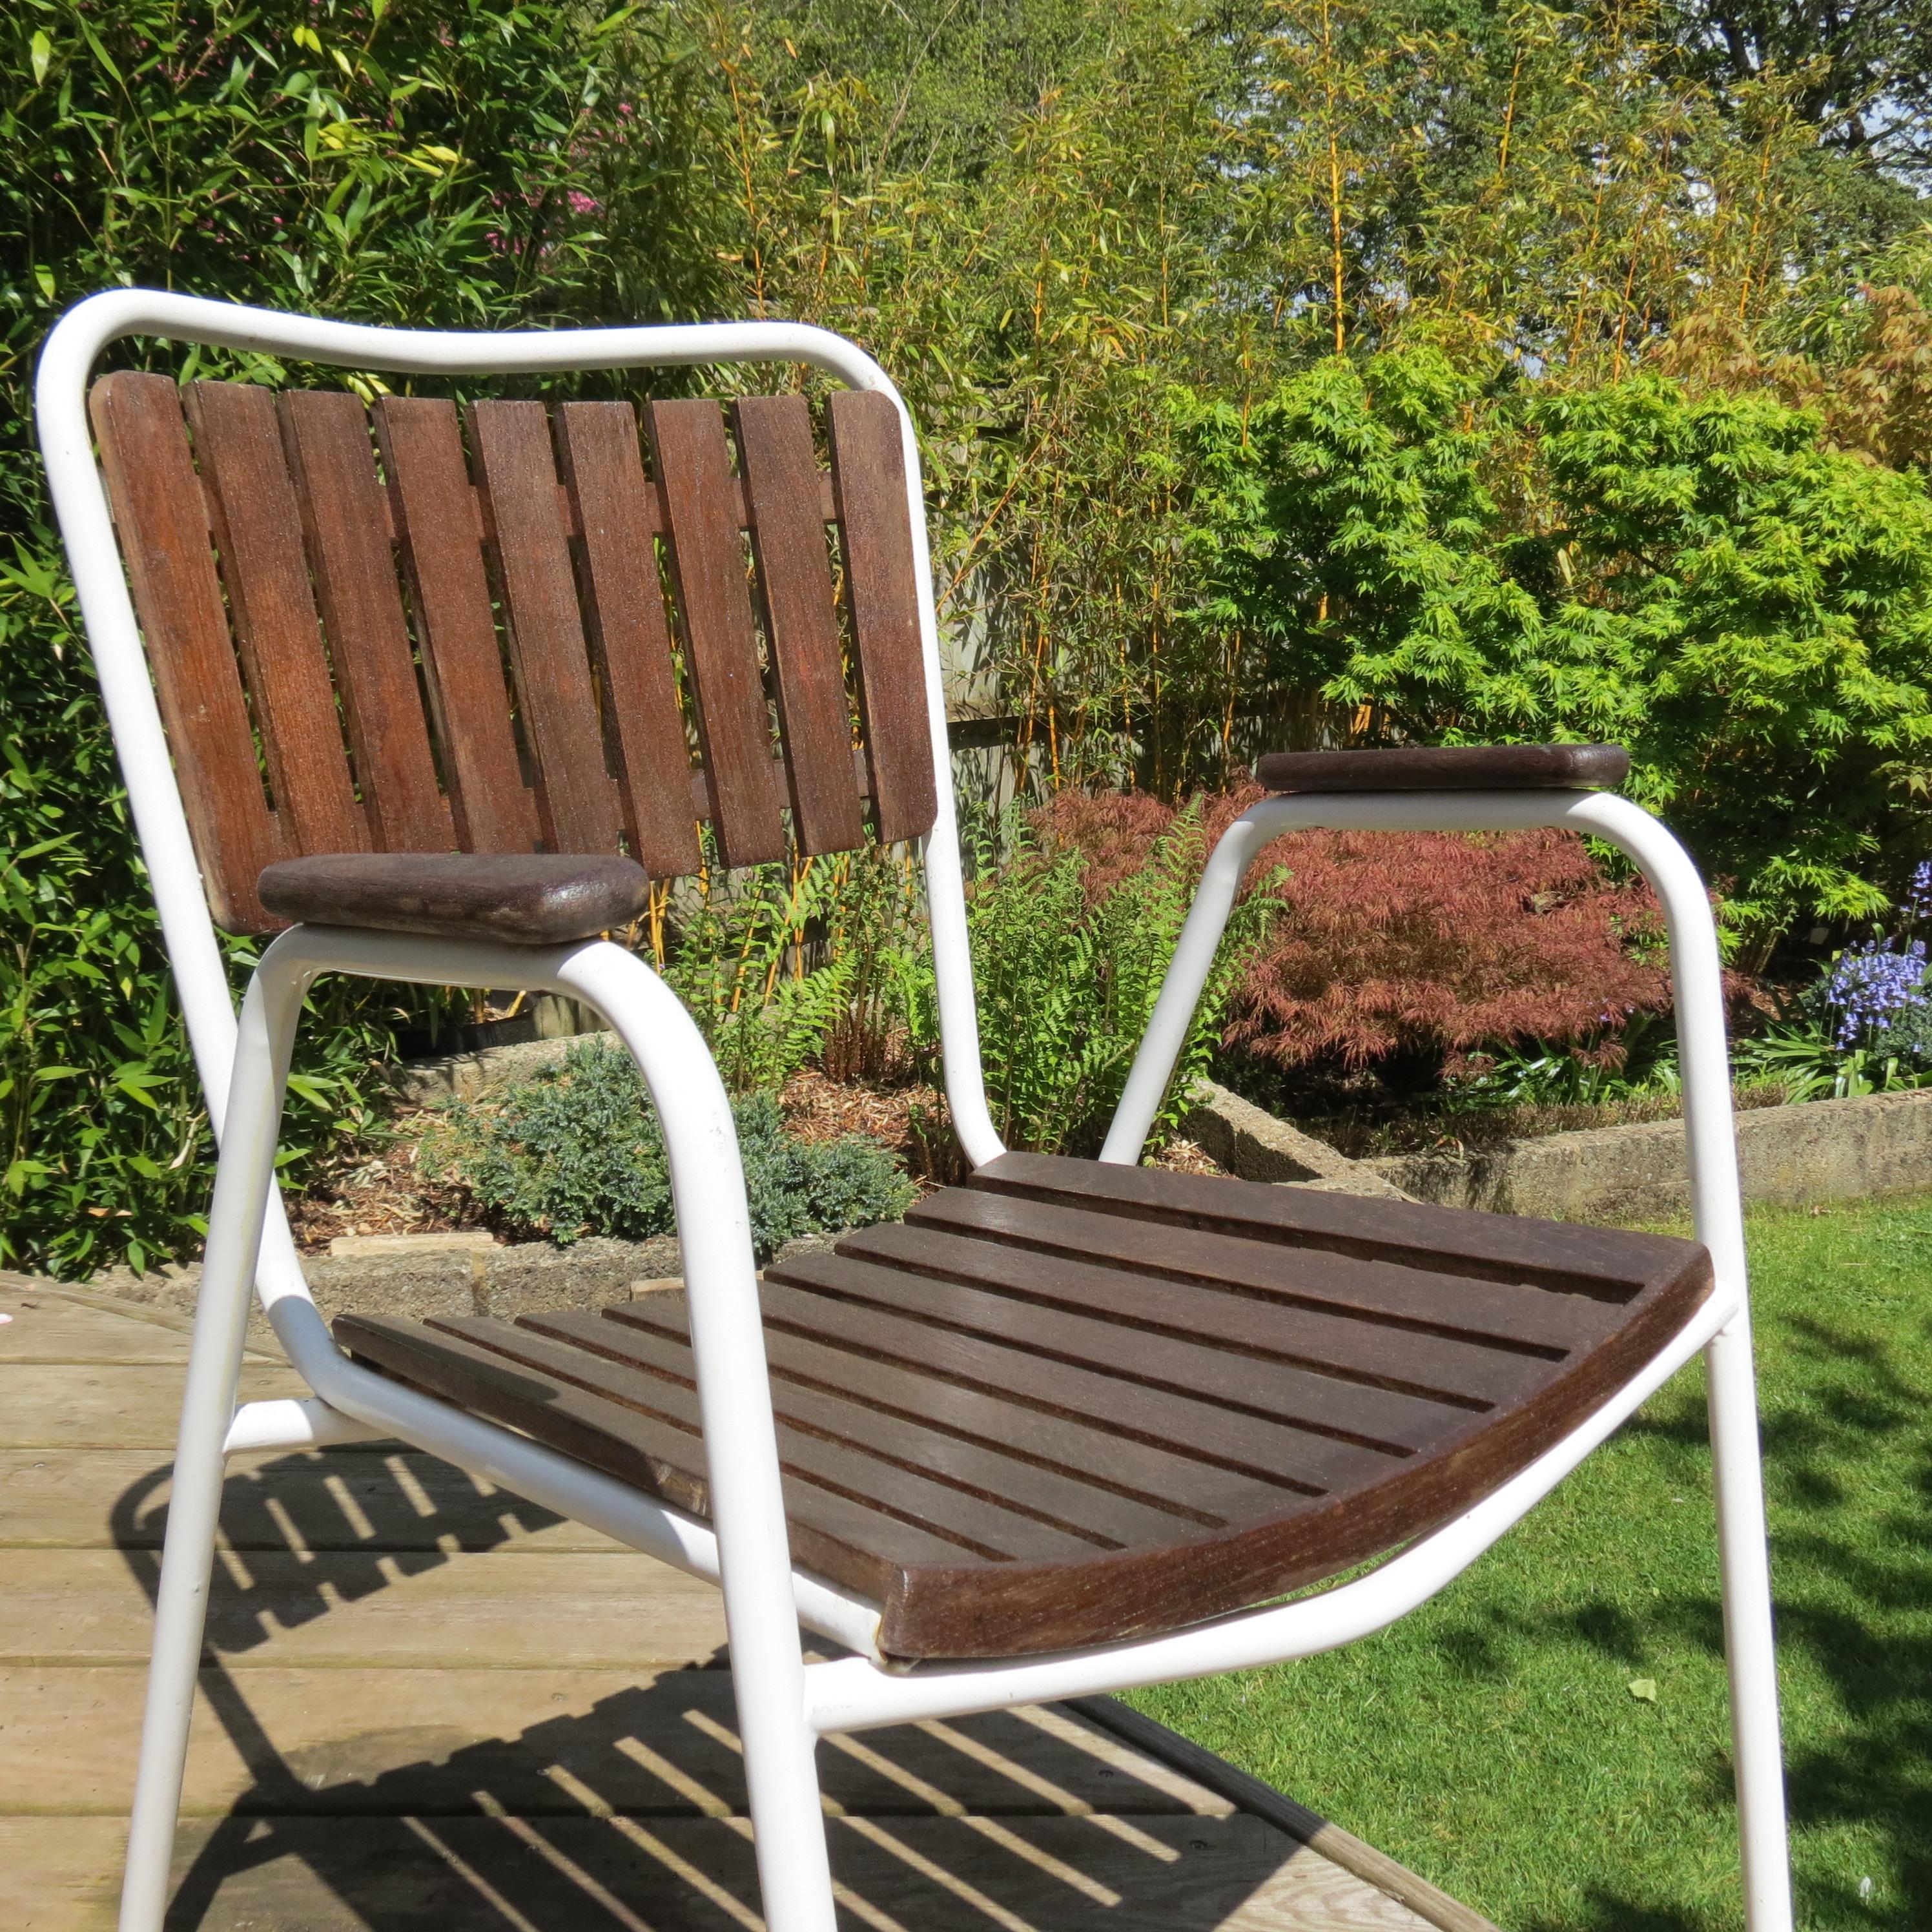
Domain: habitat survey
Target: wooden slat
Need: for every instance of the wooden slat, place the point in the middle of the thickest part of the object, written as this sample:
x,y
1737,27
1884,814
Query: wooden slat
x,y
617,513
838,1537
163,521
1464,1372
472,1874
1523,1318
781,487
442,543
1389,1421
1098,1517
576,801
73,1732
258,535
1294,1459
346,520
1431,1907
882,589
65,1408
665,1380
694,474
1147,1475
1610,1264
283,1610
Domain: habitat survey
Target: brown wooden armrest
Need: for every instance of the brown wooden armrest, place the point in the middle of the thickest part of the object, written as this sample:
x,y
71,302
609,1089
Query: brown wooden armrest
x,y
529,898
1447,768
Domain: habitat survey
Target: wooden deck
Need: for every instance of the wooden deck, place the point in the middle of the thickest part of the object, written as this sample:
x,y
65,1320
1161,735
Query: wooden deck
x,y
427,1705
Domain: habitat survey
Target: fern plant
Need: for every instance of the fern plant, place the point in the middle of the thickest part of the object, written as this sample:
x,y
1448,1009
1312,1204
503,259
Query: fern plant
x,y
740,966
1067,974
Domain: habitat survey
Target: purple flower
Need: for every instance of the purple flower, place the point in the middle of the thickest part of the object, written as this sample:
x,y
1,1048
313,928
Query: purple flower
x,y
1918,894
1871,985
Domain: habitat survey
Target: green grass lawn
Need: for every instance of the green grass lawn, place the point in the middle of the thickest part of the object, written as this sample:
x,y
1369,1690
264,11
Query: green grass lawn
x,y
1492,1742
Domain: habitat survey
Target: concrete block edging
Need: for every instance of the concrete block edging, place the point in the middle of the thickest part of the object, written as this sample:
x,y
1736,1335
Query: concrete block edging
x,y
1799,1156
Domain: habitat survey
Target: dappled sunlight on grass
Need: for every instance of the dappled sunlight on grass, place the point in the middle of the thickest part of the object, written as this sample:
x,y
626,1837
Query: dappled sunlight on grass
x,y
1494,1741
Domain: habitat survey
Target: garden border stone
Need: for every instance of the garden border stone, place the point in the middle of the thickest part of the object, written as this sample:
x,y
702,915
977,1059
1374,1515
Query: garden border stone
x,y
1254,1144
461,1076
1792,1156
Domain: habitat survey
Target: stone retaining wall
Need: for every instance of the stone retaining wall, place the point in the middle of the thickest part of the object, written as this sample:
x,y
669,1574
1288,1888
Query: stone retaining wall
x,y
1788,1156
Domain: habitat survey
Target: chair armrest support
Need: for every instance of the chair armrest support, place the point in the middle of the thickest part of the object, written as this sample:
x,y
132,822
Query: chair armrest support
x,y
714,1225
1696,974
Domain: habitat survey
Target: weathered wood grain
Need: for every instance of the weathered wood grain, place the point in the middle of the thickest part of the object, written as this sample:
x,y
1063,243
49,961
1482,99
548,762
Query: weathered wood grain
x,y
161,518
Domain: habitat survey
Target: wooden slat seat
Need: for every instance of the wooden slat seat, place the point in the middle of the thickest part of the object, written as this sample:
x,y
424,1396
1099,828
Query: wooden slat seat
x,y
1069,1403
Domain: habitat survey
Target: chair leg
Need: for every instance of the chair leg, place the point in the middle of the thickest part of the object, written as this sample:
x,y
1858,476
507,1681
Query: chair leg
x,y
787,1818
1744,1558
181,1612
242,1181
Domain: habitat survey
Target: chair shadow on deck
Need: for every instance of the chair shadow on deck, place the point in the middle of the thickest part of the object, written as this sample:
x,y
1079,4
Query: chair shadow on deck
x,y
628,1816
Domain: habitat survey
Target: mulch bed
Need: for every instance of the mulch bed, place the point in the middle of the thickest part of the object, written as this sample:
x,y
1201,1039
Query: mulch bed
x,y
375,1188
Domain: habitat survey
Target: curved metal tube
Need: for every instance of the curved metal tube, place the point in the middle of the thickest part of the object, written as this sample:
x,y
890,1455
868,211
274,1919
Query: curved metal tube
x,y
752,1553
80,506
1710,1142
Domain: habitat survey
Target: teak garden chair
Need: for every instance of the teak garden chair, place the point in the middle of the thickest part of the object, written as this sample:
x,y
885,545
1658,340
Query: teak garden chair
x,y
1075,1426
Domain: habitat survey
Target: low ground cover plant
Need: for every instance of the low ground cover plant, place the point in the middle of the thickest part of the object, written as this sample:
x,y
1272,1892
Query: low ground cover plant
x,y
1864,1025
577,1150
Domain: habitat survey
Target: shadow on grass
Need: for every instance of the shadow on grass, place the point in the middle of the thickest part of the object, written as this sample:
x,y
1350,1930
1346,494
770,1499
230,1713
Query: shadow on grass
x,y
1852,1594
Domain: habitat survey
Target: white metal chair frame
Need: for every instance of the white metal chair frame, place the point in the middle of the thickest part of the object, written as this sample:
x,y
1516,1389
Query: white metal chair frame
x,y
785,1705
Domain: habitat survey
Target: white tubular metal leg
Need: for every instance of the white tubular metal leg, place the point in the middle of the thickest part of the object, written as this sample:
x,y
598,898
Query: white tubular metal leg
x,y
753,1557
740,1439
208,1406
1717,1211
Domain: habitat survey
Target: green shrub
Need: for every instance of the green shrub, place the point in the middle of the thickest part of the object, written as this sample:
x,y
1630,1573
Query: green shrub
x,y
1459,560
407,163
577,1149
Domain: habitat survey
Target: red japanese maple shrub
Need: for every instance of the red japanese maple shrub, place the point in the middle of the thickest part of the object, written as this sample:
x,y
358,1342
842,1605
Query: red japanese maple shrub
x,y
1411,945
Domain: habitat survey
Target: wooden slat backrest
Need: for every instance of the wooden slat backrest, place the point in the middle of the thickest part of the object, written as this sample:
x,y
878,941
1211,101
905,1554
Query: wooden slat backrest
x,y
795,579
258,535
525,519
477,642
346,523
693,468
439,530
162,517
869,475
616,513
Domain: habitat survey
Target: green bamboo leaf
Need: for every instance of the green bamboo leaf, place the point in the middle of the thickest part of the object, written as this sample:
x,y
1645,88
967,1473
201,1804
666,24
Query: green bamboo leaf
x,y
101,53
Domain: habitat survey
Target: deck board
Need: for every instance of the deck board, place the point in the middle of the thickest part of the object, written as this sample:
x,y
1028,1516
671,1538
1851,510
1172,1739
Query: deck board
x,y
427,1704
